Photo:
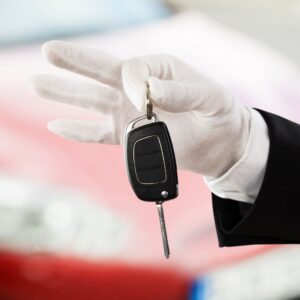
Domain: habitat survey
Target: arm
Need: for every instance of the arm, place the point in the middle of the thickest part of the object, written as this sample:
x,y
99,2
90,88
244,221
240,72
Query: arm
x,y
274,217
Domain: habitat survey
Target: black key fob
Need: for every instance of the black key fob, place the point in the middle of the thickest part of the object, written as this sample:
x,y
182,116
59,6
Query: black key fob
x,y
150,160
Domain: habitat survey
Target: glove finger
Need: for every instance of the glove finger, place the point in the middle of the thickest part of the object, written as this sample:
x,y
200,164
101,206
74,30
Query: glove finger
x,y
135,74
137,71
102,98
84,131
92,63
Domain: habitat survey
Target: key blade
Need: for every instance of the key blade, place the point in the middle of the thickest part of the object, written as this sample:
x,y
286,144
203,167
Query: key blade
x,y
163,228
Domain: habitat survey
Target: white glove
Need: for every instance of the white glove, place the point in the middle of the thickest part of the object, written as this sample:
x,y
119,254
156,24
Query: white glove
x,y
208,127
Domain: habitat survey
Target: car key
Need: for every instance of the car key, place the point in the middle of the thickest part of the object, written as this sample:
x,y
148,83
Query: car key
x,y
151,164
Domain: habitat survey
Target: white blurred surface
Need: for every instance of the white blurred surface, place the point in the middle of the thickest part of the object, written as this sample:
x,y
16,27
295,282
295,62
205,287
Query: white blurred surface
x,y
273,22
44,218
270,276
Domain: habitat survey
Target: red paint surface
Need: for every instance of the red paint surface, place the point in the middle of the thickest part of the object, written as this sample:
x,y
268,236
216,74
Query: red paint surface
x,y
40,277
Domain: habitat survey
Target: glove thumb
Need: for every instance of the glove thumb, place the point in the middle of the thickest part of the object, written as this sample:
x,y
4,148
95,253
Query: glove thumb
x,y
174,96
166,93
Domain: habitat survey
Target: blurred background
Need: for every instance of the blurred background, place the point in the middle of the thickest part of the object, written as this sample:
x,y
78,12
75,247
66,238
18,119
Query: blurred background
x,y
66,231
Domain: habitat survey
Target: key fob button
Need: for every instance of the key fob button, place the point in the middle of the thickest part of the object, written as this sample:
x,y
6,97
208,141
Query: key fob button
x,y
149,161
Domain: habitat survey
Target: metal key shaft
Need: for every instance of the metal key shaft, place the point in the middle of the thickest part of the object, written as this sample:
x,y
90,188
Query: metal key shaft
x,y
163,228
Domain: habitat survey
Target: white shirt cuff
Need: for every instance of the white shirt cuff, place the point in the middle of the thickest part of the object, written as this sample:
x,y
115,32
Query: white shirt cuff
x,y
243,180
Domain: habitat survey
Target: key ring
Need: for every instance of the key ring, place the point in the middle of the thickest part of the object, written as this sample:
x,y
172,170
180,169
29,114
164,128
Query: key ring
x,y
149,106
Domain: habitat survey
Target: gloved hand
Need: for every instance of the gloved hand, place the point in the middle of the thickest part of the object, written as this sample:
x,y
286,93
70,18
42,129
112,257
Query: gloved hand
x,y
209,128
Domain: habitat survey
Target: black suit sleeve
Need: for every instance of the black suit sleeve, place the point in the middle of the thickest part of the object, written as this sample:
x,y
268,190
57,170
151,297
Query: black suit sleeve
x,y
274,218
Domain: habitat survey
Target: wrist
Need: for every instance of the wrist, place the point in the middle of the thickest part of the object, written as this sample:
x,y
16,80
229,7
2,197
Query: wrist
x,y
231,141
243,180
237,146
